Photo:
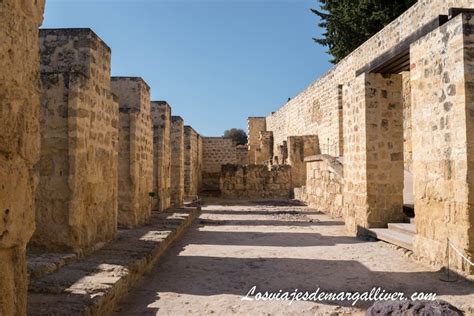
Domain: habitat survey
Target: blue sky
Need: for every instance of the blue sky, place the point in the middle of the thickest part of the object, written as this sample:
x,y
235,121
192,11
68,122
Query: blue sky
x,y
215,61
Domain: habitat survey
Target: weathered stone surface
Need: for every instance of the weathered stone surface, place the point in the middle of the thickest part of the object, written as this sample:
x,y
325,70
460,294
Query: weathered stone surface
x,y
442,78
300,147
217,151
373,152
76,198
192,162
135,156
324,183
161,116
19,144
255,125
255,181
94,284
177,162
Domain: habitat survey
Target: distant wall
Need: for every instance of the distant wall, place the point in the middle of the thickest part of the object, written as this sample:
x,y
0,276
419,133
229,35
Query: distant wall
x,y
217,151
255,181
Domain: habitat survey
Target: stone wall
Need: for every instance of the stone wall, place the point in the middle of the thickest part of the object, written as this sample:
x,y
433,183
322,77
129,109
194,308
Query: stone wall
x,y
19,144
407,122
443,141
242,152
217,151
300,147
77,195
177,161
255,181
373,152
161,117
323,189
135,156
316,110
191,163
255,125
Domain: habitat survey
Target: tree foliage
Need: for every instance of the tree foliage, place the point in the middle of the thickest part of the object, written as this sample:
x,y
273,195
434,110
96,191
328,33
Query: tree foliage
x,y
349,23
238,135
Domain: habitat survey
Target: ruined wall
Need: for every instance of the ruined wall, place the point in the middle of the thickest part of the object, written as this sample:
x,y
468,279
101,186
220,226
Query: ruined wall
x,y
177,161
217,151
135,156
323,189
19,144
300,147
373,152
255,181
161,117
264,152
442,78
255,125
191,163
315,111
242,152
76,198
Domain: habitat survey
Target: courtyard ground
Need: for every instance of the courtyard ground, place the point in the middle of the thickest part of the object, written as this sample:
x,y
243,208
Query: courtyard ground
x,y
235,246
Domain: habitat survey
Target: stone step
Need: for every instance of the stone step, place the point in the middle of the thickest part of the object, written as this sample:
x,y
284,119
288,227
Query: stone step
x,y
403,240
93,285
403,228
412,220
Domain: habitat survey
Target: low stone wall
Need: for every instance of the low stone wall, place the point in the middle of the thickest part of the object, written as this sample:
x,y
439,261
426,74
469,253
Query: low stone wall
x,y
255,181
324,183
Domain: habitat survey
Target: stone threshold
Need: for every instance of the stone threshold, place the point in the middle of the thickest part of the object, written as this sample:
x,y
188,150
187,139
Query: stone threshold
x,y
94,285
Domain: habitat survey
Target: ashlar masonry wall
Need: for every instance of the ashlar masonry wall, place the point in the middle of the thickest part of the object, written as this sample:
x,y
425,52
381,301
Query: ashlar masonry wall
x,y
177,161
442,78
316,110
77,195
135,157
191,162
217,151
255,181
161,117
19,144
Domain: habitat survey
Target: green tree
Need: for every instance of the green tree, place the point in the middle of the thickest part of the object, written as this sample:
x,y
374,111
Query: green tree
x,y
238,135
349,23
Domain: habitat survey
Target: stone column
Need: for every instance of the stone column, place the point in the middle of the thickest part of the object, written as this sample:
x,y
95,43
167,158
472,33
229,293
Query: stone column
x,y
177,161
161,116
19,144
191,161
135,151
77,194
373,152
300,147
442,80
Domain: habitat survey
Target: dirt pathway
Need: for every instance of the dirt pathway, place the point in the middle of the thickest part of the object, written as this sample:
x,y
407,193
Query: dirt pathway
x,y
230,249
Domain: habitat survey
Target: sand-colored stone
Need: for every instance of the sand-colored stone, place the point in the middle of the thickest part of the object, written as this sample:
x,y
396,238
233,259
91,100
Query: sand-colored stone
x,y
76,199
442,79
300,147
177,162
19,144
135,162
192,162
161,116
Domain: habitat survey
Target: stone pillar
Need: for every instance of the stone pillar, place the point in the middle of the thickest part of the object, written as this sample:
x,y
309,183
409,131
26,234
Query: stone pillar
x,y
161,116
191,161
177,161
19,144
373,152
77,194
264,153
442,80
135,156
255,126
300,147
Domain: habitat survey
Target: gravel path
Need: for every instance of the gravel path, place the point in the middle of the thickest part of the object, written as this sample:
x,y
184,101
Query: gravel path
x,y
232,248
